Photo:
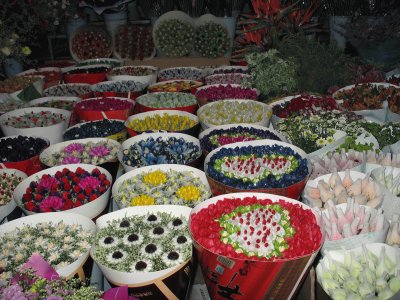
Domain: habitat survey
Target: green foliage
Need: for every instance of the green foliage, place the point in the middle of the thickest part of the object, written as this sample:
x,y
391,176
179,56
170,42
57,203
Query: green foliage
x,y
321,65
272,75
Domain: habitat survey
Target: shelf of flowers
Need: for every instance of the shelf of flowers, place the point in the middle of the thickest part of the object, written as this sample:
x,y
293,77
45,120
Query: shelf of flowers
x,y
134,162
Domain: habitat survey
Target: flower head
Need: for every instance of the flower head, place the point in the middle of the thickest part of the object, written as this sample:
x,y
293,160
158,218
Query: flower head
x,y
47,182
26,50
71,160
89,182
74,147
6,51
52,203
100,151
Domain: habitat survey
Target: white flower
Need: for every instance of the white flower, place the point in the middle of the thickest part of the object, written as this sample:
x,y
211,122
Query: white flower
x,y
321,142
40,242
141,266
151,250
172,258
176,223
158,232
6,51
3,264
181,241
151,219
67,239
51,246
76,254
19,257
85,245
53,257
108,241
133,239
116,256
62,265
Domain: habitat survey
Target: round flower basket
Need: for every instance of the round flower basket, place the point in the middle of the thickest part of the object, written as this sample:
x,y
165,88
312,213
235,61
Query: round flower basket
x,y
162,148
188,73
228,78
50,130
100,152
230,69
169,283
10,178
52,75
80,203
218,136
23,88
81,90
185,86
371,100
361,187
124,89
90,74
164,120
270,253
174,33
75,228
107,128
90,42
99,108
146,75
113,62
59,102
167,101
262,166
216,92
234,111
22,153
189,186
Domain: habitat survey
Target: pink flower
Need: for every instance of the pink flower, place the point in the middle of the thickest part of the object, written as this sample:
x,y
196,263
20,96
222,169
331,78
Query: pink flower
x,y
74,147
71,160
46,183
51,202
89,182
99,151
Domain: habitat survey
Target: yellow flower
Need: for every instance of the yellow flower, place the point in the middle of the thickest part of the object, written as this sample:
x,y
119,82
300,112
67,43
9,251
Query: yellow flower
x,y
155,178
142,200
189,193
26,50
6,51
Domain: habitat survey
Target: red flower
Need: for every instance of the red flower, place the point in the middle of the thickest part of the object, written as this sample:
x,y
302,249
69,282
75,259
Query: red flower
x,y
68,204
58,174
88,191
96,172
102,177
81,197
93,197
76,180
76,189
38,197
80,171
30,206
77,203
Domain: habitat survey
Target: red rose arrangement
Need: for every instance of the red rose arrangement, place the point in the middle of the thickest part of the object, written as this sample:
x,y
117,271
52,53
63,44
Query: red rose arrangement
x,y
305,104
65,190
256,229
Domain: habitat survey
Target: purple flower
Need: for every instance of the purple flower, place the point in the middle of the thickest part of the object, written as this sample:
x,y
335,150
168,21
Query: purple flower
x,y
54,298
52,202
71,160
100,151
89,182
13,292
47,182
74,147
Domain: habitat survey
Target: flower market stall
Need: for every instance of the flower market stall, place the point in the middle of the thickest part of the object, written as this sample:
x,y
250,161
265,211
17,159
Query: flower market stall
x,y
209,150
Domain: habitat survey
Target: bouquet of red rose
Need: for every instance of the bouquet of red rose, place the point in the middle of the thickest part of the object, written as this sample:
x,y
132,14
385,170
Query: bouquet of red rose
x,y
64,190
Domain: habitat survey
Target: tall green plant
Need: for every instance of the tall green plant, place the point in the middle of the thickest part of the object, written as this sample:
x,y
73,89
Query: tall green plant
x,y
320,65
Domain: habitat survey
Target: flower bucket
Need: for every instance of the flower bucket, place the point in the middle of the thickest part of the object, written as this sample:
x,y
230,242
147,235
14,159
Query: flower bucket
x,y
203,92
123,73
81,90
177,101
93,115
207,113
291,190
163,136
182,85
91,130
228,277
113,62
111,165
52,75
47,102
193,131
28,166
188,73
90,74
230,69
170,283
165,168
53,132
229,78
76,267
256,131
90,210
123,89
7,209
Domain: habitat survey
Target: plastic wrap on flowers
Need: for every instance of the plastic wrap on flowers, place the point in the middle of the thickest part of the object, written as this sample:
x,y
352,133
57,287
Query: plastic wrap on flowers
x,y
163,120
81,90
167,101
112,129
10,178
23,88
166,273
182,85
22,153
52,75
211,93
104,108
215,137
146,75
76,188
258,166
59,102
124,88
100,152
48,122
242,237
189,73
77,230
